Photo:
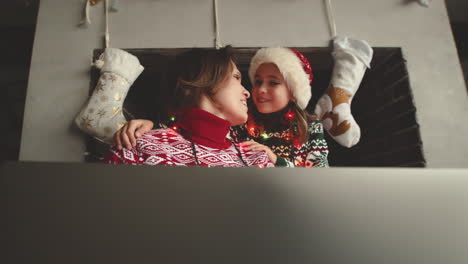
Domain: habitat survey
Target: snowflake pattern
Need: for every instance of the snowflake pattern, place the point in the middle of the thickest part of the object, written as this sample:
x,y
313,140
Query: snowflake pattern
x,y
167,147
101,113
86,122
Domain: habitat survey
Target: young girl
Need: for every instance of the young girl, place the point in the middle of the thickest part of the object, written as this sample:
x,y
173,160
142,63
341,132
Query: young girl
x,y
277,123
209,99
281,90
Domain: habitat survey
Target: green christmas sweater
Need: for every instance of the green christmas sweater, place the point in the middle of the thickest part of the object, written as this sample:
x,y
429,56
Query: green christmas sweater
x,y
313,153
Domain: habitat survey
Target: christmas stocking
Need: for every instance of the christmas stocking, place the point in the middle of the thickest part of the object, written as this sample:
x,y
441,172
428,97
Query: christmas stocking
x,y
352,57
102,114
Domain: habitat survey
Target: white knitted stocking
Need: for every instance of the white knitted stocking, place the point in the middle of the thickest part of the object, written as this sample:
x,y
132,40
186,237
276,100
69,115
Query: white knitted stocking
x,y
352,57
102,114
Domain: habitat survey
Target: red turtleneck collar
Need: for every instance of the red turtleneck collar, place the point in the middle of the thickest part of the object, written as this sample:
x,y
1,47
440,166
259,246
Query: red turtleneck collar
x,y
204,128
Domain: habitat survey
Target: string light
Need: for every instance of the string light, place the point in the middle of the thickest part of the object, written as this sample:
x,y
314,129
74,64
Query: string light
x,y
289,135
172,118
290,115
297,145
264,136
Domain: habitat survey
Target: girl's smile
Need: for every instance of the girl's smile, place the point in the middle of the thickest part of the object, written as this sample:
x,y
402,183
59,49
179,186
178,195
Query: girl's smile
x,y
270,92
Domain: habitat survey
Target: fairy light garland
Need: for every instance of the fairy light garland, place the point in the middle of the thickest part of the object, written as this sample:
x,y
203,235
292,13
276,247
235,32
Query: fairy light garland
x,y
259,131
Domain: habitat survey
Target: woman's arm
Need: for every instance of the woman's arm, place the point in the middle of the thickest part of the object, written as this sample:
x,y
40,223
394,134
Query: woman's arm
x,y
255,146
127,135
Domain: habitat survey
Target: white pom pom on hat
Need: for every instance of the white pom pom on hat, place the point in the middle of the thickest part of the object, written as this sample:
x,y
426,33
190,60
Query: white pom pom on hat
x,y
294,67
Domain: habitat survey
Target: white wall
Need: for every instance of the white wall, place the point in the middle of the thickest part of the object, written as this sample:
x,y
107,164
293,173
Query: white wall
x,y
59,79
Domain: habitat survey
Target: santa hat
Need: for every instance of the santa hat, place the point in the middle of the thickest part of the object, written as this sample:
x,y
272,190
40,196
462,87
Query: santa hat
x,y
294,67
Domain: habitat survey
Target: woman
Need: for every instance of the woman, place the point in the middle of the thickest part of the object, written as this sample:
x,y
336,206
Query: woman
x,y
281,79
208,98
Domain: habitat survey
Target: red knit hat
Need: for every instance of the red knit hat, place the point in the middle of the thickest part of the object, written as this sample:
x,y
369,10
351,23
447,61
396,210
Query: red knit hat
x,y
294,67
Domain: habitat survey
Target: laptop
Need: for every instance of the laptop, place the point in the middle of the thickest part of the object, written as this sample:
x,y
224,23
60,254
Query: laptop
x,y
97,213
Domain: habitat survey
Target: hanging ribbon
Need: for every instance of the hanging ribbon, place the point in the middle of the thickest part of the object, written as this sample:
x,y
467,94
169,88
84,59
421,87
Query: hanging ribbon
x,y
218,43
107,35
114,6
331,18
424,3
99,63
86,19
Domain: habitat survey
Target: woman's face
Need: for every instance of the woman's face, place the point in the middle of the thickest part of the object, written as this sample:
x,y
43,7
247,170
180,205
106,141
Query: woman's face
x,y
270,92
231,99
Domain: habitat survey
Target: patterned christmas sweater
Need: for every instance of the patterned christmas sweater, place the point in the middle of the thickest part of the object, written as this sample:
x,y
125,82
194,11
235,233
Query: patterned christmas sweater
x,y
206,144
313,153
167,147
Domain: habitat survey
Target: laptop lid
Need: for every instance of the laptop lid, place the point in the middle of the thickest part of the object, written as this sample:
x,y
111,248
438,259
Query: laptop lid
x,y
83,213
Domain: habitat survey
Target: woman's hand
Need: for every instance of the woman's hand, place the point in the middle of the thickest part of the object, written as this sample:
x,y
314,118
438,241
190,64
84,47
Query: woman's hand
x,y
130,131
251,145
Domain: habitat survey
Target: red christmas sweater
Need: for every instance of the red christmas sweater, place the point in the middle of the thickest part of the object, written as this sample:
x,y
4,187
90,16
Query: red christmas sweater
x,y
169,147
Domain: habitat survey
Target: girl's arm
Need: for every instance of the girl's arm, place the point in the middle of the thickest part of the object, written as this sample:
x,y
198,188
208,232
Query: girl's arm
x,y
318,153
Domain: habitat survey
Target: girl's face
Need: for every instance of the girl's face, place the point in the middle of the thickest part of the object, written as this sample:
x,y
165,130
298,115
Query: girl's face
x,y
270,92
230,99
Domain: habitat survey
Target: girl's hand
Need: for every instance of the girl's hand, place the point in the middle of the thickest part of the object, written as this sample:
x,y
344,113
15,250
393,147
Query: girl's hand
x,y
251,145
130,131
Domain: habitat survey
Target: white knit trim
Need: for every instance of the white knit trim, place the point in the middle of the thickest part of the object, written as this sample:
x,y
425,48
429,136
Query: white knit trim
x,y
290,67
122,63
218,42
86,21
348,72
331,18
359,48
106,34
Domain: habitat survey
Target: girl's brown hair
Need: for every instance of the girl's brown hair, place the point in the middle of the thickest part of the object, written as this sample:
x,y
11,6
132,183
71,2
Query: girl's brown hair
x,y
198,72
302,119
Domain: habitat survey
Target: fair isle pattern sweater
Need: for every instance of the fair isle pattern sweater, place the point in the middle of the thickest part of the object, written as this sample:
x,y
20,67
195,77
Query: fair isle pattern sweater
x,y
169,147
313,153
